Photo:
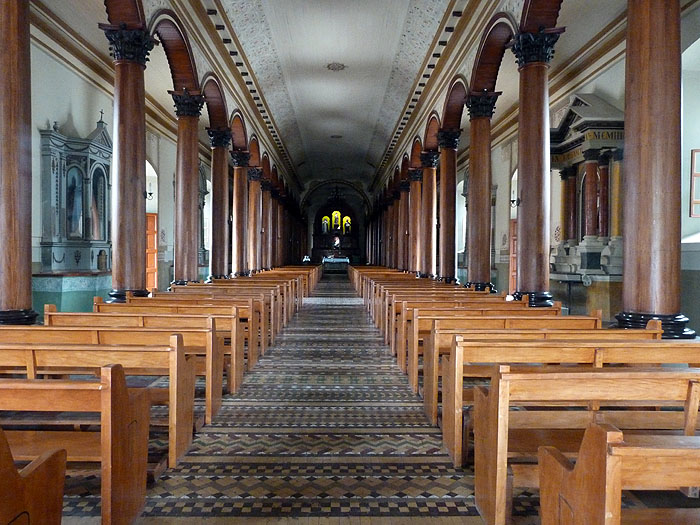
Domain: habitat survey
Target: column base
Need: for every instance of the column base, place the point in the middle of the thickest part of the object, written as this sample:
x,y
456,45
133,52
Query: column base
x,y
27,316
119,295
535,299
448,280
480,287
422,275
211,278
674,325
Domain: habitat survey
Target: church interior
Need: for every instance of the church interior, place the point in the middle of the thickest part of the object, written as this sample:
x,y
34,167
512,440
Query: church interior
x,y
348,262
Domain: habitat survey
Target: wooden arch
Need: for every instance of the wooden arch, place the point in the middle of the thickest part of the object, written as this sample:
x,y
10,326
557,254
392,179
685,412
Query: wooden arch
x,y
216,102
254,149
539,14
239,137
405,164
129,12
499,32
430,140
415,153
166,26
266,166
454,104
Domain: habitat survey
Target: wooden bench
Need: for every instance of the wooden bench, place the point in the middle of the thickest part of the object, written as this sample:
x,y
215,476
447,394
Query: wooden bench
x,y
121,445
595,348
609,462
36,359
558,401
35,493
199,342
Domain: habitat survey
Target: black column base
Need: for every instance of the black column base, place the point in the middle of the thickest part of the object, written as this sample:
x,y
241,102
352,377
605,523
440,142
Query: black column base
x,y
423,275
27,316
448,280
481,287
674,325
211,278
179,282
119,296
536,299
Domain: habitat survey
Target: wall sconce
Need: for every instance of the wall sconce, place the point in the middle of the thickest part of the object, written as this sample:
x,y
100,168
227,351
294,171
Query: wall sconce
x,y
514,203
149,194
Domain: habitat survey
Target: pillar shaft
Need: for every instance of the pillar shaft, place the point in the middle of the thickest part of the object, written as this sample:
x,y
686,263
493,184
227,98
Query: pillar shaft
x,y
219,253
571,205
16,166
590,201
129,48
534,51
239,213
615,197
429,159
403,226
448,140
603,196
651,218
254,220
266,227
481,107
414,216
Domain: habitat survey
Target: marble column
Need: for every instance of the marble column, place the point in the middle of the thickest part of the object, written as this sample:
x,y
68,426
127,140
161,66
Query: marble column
x,y
603,197
590,191
16,167
429,161
239,213
448,140
218,259
129,48
415,178
652,199
254,220
533,52
481,107
188,106
570,215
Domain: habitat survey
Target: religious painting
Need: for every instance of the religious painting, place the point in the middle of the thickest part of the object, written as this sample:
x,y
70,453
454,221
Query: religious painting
x,y
74,203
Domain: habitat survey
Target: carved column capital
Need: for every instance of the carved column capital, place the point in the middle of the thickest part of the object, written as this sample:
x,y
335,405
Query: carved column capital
x,y
415,175
219,138
482,104
255,174
128,44
568,172
265,184
429,159
187,103
591,155
240,159
405,185
530,48
449,138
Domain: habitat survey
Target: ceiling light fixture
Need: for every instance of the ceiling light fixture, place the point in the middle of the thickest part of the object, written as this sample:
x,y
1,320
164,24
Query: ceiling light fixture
x,y
336,66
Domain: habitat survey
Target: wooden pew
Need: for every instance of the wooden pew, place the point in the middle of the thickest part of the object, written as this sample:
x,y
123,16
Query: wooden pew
x,y
227,326
121,446
201,343
35,493
506,441
609,462
36,359
595,348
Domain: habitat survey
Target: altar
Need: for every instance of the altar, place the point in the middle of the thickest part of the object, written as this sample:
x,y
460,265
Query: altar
x,y
335,263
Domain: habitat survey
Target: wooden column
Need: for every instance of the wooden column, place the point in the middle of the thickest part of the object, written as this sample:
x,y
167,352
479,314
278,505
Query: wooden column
x,y
448,141
266,227
239,216
16,166
533,52
481,107
280,229
590,191
218,259
188,106
651,199
415,179
254,220
603,196
429,161
403,225
129,47
395,205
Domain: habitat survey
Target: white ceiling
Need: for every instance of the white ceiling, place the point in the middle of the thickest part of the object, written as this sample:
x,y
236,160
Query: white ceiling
x,y
381,43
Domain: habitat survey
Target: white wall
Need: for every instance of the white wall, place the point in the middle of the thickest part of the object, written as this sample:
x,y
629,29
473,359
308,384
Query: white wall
x,y
690,140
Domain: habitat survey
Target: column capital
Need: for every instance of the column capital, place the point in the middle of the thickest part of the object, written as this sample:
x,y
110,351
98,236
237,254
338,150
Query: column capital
x,y
591,155
240,158
448,138
187,103
265,184
405,185
429,159
132,44
219,138
415,174
530,48
255,174
482,104
604,158
568,172
618,155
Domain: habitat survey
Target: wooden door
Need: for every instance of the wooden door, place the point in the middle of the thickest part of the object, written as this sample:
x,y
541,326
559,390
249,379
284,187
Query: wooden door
x,y
151,251
513,236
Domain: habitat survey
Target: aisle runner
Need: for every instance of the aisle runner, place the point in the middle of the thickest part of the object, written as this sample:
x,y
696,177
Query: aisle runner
x,y
326,425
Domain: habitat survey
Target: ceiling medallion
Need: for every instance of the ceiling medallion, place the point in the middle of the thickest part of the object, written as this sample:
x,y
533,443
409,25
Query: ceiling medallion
x,y
336,66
